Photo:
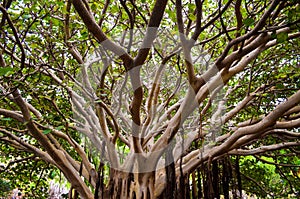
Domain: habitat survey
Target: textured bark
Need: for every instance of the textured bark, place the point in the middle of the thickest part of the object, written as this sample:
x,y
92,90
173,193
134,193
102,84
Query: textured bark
x,y
215,179
170,189
210,175
238,176
144,187
123,185
225,179
199,184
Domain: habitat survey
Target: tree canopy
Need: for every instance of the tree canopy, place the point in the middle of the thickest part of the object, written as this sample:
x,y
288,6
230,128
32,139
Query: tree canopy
x,y
159,99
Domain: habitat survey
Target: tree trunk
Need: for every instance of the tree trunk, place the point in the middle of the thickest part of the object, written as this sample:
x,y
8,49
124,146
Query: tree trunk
x,y
125,185
143,186
208,181
119,185
215,179
238,176
225,178
170,189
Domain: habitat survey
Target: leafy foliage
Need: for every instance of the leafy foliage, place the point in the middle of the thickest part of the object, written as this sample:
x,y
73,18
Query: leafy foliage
x,y
5,187
90,88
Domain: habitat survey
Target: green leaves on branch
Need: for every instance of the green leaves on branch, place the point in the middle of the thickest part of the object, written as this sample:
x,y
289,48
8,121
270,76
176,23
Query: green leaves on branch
x,y
280,37
47,131
6,119
6,71
248,22
192,17
4,187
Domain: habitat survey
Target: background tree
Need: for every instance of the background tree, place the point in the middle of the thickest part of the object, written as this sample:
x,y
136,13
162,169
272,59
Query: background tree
x,y
164,99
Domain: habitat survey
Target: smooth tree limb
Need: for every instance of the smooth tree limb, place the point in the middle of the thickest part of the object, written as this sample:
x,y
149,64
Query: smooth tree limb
x,y
163,99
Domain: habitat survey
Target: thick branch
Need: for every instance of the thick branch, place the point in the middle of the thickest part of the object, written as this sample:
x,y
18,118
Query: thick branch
x,y
154,22
263,149
12,114
56,155
95,29
254,31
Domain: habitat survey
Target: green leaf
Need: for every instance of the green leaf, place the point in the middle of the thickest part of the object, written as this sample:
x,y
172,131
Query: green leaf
x,y
6,119
114,8
60,3
52,174
27,16
55,22
84,35
282,37
191,7
47,131
5,71
103,94
248,21
59,127
94,6
32,184
172,15
97,101
279,85
192,17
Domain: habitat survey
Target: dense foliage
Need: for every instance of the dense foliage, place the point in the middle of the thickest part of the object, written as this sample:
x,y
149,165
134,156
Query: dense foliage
x,y
162,99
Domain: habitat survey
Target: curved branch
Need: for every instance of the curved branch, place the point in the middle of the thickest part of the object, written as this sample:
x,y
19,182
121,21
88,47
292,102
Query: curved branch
x,y
76,146
43,155
240,105
12,114
55,154
264,149
288,124
151,104
107,2
95,29
239,19
131,21
254,31
116,125
77,56
154,22
15,33
275,163
253,130
197,33
256,183
138,10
